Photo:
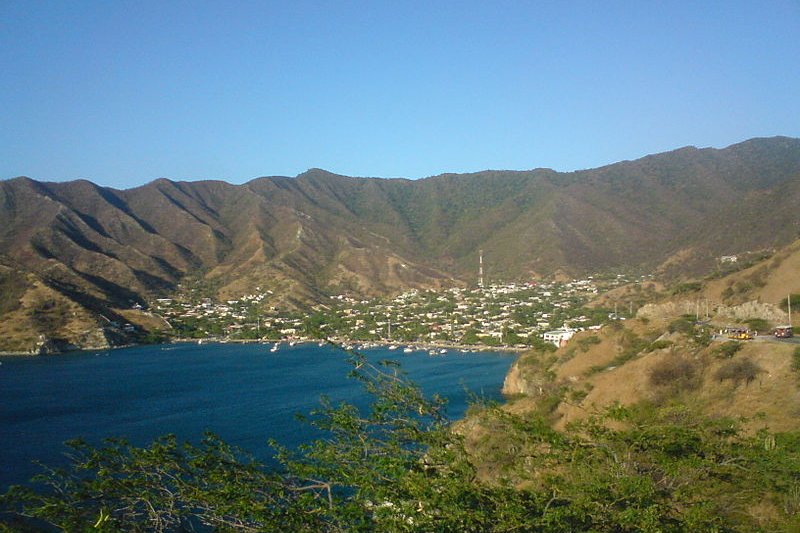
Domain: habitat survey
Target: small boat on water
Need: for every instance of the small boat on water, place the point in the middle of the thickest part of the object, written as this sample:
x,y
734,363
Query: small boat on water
x,y
408,349
442,351
321,344
393,347
275,347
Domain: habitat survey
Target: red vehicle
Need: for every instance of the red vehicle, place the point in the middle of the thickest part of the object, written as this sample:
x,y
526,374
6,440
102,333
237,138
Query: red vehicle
x,y
783,332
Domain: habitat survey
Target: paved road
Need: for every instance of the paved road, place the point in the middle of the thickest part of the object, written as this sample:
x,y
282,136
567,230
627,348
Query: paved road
x,y
770,338
761,338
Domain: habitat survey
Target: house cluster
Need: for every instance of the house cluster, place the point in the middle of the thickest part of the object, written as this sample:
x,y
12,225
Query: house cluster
x,y
510,314
500,314
247,316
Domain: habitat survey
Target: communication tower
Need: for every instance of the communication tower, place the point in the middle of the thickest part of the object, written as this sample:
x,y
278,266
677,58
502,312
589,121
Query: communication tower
x,y
480,269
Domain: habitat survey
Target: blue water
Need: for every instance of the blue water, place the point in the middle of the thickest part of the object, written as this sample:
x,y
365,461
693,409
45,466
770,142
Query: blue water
x,y
243,393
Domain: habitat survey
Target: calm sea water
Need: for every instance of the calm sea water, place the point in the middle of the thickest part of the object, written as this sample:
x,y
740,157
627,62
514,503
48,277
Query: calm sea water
x,y
244,393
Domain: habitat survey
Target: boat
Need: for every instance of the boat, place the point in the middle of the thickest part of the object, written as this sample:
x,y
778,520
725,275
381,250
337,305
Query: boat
x,y
442,351
393,347
321,344
408,349
275,347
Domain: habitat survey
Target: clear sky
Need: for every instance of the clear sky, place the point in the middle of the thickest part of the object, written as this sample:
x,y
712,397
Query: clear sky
x,y
123,92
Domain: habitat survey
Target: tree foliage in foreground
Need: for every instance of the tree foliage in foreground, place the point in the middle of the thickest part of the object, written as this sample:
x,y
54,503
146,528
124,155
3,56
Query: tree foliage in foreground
x,y
397,466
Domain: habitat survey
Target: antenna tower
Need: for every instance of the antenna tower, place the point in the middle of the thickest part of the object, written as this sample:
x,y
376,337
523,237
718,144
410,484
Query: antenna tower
x,y
480,270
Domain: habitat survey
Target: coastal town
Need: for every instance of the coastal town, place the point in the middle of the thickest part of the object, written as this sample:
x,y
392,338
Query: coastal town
x,y
507,315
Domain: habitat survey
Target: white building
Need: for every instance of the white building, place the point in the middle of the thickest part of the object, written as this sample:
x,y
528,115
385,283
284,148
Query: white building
x,y
558,337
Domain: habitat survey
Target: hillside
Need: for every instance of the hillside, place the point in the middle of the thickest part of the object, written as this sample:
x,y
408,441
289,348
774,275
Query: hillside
x,y
318,234
650,414
657,362
665,354
769,280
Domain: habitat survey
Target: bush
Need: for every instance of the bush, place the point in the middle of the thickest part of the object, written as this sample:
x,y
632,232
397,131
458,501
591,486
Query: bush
x,y
659,345
758,324
739,370
795,300
727,293
742,287
155,336
677,371
586,342
578,395
684,324
728,349
703,336
685,288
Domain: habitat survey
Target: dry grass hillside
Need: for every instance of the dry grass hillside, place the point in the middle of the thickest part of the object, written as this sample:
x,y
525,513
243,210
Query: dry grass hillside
x,y
658,408
659,362
672,353
41,312
768,281
752,290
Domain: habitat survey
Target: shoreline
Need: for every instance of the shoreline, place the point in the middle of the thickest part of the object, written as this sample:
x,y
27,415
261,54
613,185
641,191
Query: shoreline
x,y
360,344
342,342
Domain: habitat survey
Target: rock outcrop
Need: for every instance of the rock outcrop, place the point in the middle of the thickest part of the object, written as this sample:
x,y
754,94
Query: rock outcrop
x,y
745,311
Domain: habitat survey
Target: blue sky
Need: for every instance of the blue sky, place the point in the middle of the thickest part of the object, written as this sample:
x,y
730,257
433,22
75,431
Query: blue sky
x,y
124,92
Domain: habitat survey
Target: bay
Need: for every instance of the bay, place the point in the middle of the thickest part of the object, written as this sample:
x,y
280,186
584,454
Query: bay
x,y
242,392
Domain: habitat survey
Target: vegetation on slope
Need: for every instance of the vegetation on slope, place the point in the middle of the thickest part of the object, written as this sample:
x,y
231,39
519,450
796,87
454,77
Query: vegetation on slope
x,y
768,278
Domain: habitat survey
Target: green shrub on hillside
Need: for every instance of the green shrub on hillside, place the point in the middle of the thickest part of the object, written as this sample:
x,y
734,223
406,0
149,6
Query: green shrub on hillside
x,y
586,342
673,371
12,287
728,349
684,324
688,287
738,371
794,299
659,345
758,324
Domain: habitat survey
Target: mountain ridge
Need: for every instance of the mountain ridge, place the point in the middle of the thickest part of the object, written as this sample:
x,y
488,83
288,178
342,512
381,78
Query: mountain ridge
x,y
322,233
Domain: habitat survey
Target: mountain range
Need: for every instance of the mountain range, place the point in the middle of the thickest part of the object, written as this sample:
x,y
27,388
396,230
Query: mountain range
x,y
91,250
